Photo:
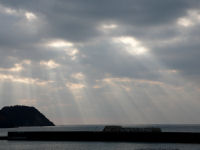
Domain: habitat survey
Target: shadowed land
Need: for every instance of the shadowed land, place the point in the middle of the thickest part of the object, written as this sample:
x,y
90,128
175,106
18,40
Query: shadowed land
x,y
109,134
19,116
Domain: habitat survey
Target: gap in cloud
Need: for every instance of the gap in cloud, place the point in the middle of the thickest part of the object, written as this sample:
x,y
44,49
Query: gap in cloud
x,y
59,43
51,64
69,48
107,27
30,16
192,19
18,67
131,45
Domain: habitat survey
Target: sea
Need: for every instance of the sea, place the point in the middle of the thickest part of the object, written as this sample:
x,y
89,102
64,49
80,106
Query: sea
x,y
66,145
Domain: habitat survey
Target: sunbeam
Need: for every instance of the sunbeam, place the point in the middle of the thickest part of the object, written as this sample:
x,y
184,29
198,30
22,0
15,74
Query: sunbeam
x,y
102,63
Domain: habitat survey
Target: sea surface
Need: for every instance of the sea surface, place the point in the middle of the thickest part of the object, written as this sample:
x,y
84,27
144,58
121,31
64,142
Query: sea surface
x,y
39,145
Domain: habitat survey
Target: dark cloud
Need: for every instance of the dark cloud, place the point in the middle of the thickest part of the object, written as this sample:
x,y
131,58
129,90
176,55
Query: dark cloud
x,y
78,19
92,75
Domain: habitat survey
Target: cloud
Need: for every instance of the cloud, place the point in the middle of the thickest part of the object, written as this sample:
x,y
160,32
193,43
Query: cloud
x,y
49,64
17,67
191,19
115,61
30,16
78,76
75,86
131,45
16,79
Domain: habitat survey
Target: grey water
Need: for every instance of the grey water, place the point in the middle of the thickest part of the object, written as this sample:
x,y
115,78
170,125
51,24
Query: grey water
x,y
40,145
5,145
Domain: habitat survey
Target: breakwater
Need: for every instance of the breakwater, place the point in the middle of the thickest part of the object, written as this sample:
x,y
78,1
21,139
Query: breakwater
x,y
155,137
109,134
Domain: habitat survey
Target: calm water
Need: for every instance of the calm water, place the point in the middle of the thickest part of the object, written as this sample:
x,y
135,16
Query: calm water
x,y
24,145
5,145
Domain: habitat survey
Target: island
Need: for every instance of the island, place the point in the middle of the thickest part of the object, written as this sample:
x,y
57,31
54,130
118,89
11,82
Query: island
x,y
22,116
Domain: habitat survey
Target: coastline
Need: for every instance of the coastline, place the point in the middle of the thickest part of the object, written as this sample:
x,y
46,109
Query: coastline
x,y
148,134
108,134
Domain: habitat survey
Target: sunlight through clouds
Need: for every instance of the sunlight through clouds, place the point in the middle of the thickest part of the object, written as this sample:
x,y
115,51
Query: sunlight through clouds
x,y
78,76
7,10
131,45
10,11
25,21
49,64
192,18
109,26
30,16
185,22
128,81
62,45
17,67
102,62
75,86
59,44
28,102
24,80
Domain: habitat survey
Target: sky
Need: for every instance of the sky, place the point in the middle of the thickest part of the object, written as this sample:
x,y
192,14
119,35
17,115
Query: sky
x,y
102,61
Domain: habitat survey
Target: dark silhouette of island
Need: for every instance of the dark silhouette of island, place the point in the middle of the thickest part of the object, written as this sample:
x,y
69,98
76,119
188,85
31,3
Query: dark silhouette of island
x,y
21,116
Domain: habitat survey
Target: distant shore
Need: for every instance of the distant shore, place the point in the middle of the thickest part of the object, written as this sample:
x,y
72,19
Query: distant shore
x,y
157,137
109,134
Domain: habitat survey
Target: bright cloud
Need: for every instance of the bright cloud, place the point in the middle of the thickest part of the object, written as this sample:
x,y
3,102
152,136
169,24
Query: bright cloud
x,y
192,18
72,53
24,80
75,86
78,76
106,28
59,44
185,22
17,67
7,10
109,26
49,64
10,11
62,45
131,45
30,16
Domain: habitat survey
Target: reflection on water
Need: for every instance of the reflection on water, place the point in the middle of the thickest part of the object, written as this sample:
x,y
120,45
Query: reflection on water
x,y
157,149
14,145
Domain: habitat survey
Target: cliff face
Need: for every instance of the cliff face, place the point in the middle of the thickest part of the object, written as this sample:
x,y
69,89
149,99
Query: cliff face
x,y
18,116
